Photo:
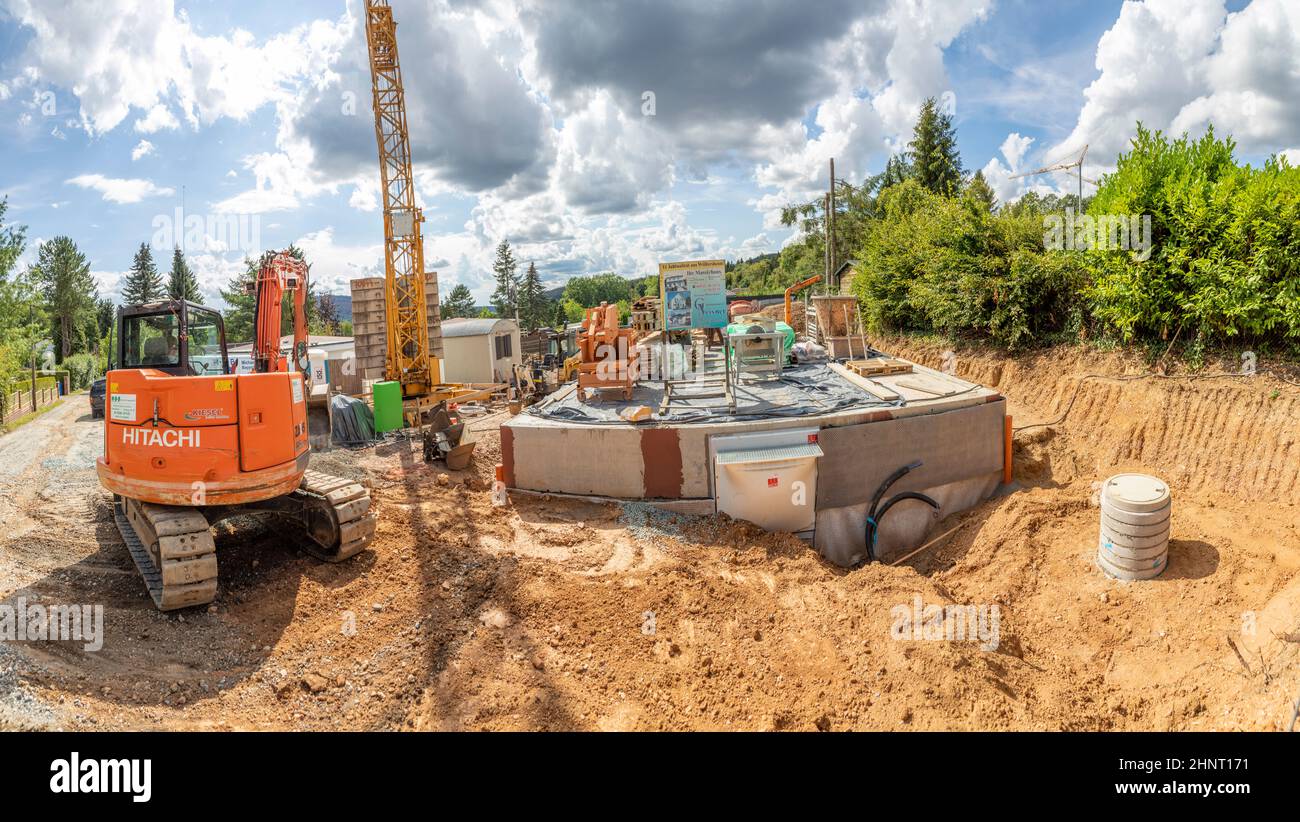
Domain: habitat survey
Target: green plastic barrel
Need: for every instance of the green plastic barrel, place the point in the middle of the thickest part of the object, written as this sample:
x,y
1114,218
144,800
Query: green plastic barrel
x,y
388,406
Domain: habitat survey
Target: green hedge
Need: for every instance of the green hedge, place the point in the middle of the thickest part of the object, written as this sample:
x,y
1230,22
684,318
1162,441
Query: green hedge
x,y
936,263
1226,244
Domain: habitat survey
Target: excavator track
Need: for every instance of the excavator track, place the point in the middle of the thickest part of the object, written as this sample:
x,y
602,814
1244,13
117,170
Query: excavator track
x,y
328,517
348,504
173,550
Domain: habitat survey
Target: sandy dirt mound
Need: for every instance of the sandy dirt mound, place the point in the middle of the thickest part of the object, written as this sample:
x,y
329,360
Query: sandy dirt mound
x,y
563,614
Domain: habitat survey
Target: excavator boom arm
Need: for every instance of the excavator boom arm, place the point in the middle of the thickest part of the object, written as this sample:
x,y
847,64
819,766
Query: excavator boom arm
x,y
792,290
278,274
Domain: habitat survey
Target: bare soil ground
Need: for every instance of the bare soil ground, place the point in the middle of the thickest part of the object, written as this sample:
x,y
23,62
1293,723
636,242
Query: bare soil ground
x,y
558,614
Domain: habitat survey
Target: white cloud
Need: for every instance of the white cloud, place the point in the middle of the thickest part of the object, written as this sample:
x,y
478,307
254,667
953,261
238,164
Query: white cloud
x,y
1179,65
279,182
159,118
118,190
142,149
1014,149
120,55
334,265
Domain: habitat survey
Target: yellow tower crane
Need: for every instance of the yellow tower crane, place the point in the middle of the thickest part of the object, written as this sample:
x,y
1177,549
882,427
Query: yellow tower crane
x,y
408,359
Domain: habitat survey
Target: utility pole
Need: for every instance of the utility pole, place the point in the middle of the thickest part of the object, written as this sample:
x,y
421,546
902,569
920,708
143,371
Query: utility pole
x,y
830,216
826,204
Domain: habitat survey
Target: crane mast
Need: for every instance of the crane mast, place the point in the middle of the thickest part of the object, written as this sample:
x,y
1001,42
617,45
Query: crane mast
x,y
408,361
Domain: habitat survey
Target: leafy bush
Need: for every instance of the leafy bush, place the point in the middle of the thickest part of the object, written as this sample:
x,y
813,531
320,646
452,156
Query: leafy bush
x,y
936,263
1226,258
82,370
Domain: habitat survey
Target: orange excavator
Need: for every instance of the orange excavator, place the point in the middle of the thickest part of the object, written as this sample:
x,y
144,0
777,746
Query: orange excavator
x,y
187,443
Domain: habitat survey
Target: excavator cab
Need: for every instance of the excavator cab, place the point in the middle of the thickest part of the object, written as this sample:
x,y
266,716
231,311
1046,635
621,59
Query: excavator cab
x,y
176,337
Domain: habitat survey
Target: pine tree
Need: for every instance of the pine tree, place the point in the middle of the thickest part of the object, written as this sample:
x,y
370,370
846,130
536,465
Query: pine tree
x,y
143,284
532,301
182,285
505,299
69,293
981,192
936,164
240,303
459,303
897,169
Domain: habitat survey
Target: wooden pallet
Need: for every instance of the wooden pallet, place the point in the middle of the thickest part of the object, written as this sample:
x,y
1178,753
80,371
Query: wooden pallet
x,y
879,366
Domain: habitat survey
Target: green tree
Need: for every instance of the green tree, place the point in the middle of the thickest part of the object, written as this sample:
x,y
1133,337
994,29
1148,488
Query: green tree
x,y
13,241
981,192
22,315
591,291
182,285
68,289
459,303
936,165
937,263
532,302
897,169
505,299
105,315
327,315
143,283
241,303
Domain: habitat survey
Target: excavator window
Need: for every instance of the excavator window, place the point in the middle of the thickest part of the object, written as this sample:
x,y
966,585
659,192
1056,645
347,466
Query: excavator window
x,y
151,341
205,355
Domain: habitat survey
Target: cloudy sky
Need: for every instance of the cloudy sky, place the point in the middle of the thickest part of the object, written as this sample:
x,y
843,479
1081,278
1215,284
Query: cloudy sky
x,y
529,118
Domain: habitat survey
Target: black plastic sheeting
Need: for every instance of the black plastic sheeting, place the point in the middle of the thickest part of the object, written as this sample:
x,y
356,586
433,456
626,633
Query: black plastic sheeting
x,y
801,391
354,422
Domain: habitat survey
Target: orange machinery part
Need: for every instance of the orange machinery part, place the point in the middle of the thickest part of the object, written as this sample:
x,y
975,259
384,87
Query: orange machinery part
x,y
1006,450
789,292
205,440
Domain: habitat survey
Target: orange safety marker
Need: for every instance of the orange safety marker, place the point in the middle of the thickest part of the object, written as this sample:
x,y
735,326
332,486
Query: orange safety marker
x,y
1006,450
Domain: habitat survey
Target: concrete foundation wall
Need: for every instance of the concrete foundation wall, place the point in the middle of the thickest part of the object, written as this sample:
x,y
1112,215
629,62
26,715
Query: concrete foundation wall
x,y
960,444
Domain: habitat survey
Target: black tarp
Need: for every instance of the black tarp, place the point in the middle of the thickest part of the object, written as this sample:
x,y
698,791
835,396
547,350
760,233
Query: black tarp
x,y
354,422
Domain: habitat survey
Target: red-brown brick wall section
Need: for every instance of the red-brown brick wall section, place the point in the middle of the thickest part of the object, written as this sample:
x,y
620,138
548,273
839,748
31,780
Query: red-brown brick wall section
x,y
508,455
661,454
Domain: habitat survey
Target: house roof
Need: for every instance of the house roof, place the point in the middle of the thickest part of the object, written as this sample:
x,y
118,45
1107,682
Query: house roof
x,y
475,326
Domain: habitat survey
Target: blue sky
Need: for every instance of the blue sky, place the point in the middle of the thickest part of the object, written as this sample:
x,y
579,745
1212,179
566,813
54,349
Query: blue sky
x,y
527,120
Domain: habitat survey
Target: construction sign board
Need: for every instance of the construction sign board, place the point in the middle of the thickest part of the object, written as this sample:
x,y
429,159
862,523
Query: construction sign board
x,y
694,294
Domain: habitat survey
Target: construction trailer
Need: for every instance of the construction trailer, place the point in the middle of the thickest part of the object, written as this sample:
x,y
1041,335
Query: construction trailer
x,y
480,350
